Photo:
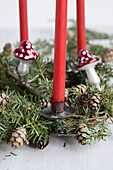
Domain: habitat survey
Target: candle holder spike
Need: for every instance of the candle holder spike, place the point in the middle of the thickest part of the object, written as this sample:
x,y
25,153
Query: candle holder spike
x,y
59,113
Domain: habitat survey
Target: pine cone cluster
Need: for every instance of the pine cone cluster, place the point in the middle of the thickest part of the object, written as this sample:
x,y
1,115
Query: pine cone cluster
x,y
45,103
3,99
81,131
83,99
80,89
95,102
7,49
108,56
18,137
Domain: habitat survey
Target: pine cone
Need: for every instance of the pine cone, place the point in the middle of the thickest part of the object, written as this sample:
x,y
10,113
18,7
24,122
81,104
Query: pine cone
x,y
18,137
108,56
68,101
40,143
95,102
70,34
45,103
1,109
7,49
80,133
66,93
3,99
61,130
81,88
83,99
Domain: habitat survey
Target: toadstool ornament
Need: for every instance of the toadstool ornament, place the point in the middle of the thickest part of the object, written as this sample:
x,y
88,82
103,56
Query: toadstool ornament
x,y
25,53
87,62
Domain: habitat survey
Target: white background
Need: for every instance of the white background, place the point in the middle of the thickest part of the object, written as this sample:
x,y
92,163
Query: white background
x,y
99,13
41,17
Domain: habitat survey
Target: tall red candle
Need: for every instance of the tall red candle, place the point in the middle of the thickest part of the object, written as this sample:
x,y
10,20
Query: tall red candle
x,y
60,52
23,20
81,31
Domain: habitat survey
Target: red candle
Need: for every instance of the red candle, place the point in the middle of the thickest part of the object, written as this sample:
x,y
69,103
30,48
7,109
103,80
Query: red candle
x,y
81,31
23,20
60,52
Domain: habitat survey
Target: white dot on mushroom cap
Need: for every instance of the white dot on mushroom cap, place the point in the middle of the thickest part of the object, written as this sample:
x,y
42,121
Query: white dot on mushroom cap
x,y
84,52
22,50
28,51
87,58
21,55
16,53
26,57
82,58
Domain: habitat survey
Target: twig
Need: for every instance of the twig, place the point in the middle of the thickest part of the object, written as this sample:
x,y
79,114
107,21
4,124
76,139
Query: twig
x,y
110,117
26,85
106,113
99,117
107,74
28,108
29,81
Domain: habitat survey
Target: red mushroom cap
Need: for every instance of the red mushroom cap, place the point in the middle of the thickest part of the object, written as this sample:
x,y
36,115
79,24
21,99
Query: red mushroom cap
x,y
25,51
85,57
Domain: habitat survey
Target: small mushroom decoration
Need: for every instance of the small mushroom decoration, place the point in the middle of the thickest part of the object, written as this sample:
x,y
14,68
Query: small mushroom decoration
x,y
25,53
87,62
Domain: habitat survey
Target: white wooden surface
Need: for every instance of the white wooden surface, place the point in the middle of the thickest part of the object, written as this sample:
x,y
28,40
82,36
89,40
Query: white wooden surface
x,y
99,156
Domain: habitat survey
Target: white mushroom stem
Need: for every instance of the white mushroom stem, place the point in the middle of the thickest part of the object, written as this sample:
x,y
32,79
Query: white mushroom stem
x,y
92,75
93,78
23,67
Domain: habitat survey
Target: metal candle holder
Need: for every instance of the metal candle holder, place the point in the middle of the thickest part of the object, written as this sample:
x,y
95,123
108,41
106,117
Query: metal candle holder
x,y
59,113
